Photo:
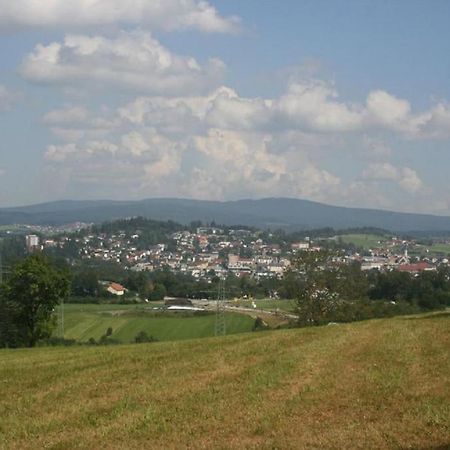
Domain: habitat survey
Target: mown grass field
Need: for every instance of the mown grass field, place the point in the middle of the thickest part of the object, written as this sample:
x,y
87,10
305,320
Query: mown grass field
x,y
375,384
82,322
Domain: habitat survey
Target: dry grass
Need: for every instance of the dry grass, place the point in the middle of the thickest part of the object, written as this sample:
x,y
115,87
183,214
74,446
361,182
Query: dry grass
x,y
377,384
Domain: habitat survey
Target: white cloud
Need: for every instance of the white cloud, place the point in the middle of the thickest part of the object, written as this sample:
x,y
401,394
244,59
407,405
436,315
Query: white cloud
x,y
228,110
313,105
407,178
221,145
134,61
73,123
435,123
128,167
387,109
410,181
152,14
382,171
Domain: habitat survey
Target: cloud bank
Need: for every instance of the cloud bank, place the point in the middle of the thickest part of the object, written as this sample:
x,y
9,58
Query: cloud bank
x,y
132,61
169,15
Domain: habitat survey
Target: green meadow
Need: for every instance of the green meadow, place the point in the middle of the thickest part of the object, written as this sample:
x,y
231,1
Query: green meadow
x,y
374,384
82,322
366,241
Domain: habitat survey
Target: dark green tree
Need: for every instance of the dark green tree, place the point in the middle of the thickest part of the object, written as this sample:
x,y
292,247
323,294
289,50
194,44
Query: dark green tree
x,y
158,293
34,289
85,283
318,291
9,332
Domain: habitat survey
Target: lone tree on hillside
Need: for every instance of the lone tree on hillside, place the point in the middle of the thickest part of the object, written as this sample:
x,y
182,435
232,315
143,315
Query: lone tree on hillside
x,y
33,290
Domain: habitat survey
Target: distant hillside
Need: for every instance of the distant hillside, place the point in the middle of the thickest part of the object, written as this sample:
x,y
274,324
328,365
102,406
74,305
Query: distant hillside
x,y
291,214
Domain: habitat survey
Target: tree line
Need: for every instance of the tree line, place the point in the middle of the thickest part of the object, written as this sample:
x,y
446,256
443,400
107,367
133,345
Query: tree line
x,y
326,290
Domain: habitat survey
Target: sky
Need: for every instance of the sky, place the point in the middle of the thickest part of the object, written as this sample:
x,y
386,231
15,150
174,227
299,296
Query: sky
x,y
342,102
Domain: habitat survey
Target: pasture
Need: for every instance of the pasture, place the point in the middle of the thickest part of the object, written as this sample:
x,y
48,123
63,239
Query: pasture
x,y
82,322
374,384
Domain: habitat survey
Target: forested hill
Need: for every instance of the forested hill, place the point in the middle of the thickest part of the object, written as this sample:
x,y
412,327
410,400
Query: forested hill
x,y
291,214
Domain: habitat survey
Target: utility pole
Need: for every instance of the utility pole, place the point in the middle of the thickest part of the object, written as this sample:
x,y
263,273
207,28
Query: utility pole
x,y
220,326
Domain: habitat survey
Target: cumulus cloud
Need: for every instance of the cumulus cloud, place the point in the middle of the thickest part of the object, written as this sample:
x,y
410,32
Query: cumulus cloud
x,y
166,15
314,105
132,61
74,123
410,181
407,178
221,145
388,109
435,123
134,163
228,110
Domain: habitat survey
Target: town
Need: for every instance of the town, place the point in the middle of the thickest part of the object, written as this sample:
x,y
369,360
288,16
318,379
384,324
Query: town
x,y
204,252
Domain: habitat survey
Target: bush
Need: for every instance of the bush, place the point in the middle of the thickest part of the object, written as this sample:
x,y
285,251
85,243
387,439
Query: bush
x,y
143,337
106,339
55,341
259,325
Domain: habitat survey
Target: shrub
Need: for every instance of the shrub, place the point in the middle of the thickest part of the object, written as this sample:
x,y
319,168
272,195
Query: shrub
x,y
143,337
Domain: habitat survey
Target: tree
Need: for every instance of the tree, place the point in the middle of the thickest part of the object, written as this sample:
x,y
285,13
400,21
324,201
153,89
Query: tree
x,y
34,289
9,333
158,292
317,295
85,283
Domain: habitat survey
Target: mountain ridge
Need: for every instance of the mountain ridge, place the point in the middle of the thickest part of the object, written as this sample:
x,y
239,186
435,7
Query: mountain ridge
x,y
271,212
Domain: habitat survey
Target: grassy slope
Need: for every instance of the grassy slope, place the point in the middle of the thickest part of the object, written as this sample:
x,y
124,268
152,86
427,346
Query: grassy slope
x,y
82,322
366,241
436,249
370,241
375,384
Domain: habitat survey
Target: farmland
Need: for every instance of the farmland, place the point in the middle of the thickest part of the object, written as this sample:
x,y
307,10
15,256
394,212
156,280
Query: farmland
x,y
82,322
374,384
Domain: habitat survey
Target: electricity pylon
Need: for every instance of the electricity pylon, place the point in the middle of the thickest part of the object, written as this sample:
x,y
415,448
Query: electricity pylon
x,y
220,326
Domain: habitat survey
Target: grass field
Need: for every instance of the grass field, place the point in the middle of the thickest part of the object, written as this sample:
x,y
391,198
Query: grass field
x,y
374,384
82,322
436,249
365,241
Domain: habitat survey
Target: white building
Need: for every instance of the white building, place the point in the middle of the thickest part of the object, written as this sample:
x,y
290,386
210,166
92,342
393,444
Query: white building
x,y
32,241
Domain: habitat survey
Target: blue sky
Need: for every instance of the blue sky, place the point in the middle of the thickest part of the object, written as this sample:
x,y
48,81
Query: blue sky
x,y
344,102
